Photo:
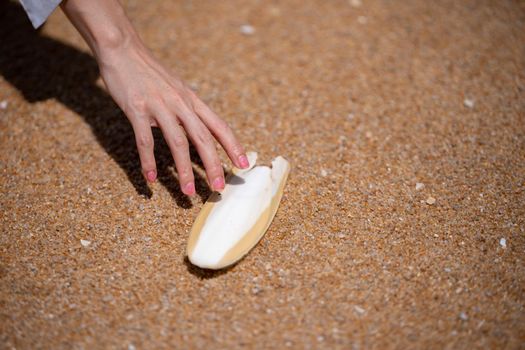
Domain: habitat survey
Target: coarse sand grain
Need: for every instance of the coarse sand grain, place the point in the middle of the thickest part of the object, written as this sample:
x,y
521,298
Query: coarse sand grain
x,y
366,99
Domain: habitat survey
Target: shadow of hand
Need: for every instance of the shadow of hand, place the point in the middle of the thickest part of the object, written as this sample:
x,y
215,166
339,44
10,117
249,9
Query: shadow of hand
x,y
42,68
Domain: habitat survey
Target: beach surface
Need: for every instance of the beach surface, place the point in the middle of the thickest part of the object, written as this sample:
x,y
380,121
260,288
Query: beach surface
x,y
402,224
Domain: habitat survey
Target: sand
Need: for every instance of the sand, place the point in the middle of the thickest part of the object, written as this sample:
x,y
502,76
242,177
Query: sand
x,y
366,99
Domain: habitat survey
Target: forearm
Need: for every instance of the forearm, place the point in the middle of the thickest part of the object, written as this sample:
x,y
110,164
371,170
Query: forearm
x,y
103,24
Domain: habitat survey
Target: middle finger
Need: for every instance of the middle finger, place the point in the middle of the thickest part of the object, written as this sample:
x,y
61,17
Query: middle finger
x,y
202,139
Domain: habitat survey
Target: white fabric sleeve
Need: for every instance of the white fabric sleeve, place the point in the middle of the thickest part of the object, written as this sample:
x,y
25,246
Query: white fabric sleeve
x,y
39,10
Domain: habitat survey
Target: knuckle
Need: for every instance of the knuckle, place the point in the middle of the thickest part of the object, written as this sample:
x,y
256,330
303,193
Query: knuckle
x,y
144,141
179,141
185,173
176,99
222,127
215,169
198,106
137,106
204,138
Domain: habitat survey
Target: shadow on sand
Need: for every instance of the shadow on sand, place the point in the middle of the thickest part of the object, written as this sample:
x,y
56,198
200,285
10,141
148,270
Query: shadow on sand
x,y
206,273
42,68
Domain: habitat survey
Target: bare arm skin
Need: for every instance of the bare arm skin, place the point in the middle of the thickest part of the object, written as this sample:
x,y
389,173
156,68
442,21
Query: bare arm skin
x,y
150,95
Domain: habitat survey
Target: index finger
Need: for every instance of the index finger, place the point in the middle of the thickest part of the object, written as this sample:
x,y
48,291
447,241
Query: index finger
x,y
222,132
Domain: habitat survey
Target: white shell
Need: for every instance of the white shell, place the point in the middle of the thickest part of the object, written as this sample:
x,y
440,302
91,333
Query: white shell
x,y
233,221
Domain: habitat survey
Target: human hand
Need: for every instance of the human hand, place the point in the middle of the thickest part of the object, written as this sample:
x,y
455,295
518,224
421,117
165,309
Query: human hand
x,y
150,95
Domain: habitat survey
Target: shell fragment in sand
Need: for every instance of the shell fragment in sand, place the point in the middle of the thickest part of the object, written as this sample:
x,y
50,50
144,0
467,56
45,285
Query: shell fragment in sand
x,y
232,222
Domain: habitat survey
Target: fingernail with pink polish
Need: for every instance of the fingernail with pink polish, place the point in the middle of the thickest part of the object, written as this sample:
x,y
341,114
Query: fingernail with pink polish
x,y
244,161
189,189
151,175
218,184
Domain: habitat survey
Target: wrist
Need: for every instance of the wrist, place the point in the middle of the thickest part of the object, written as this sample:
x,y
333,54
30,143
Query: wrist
x,y
103,24
113,52
112,41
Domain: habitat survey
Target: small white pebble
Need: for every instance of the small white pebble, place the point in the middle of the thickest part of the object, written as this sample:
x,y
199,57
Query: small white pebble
x,y
131,347
85,242
503,243
362,20
447,269
247,29
463,316
3,104
324,173
351,116
359,309
355,3
468,103
419,186
430,200
320,338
